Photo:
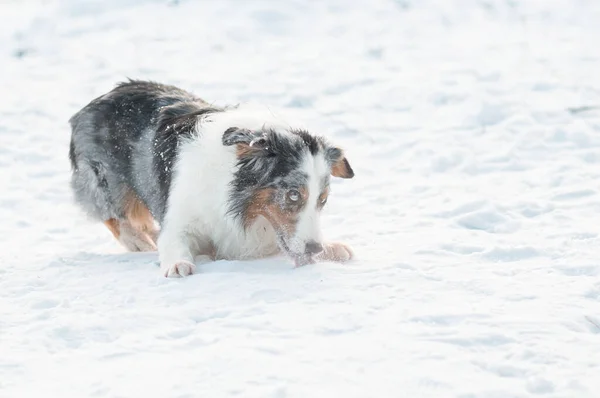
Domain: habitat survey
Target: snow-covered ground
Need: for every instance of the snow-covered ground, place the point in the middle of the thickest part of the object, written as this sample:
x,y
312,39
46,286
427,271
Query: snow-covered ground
x,y
474,130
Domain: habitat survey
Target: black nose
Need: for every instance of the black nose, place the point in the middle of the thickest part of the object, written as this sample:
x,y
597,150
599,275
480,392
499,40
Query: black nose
x,y
313,247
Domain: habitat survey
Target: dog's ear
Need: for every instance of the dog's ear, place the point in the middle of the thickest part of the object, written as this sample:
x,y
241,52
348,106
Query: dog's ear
x,y
249,142
235,135
340,167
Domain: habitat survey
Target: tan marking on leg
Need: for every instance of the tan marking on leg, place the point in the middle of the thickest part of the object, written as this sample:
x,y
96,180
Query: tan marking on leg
x,y
113,225
140,218
137,213
134,239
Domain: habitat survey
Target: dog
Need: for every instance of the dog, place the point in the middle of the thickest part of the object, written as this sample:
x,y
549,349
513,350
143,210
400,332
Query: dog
x,y
165,170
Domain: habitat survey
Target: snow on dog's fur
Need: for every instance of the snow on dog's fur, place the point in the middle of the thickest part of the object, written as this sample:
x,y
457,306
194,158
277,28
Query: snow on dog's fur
x,y
221,182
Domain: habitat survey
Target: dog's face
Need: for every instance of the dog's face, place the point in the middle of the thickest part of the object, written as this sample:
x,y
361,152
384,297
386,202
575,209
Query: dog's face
x,y
284,176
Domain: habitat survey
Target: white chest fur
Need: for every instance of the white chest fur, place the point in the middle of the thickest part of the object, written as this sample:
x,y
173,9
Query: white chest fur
x,y
197,219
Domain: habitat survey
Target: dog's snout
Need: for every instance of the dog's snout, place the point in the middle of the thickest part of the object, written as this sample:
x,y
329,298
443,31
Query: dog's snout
x,y
313,247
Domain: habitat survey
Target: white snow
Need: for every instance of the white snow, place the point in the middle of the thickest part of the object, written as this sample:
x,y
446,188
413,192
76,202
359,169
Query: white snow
x,y
474,212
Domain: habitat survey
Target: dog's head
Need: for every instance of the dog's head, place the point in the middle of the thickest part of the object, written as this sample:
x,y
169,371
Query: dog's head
x,y
283,176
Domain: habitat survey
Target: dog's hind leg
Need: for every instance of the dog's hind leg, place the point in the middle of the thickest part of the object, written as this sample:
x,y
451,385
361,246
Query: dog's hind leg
x,y
130,237
135,229
106,199
141,221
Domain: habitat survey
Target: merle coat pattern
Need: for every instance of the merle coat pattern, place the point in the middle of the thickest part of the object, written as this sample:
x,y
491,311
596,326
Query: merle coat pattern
x,y
219,181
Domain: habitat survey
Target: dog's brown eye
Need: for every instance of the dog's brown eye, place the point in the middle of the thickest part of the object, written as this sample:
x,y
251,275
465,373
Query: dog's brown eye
x,y
324,200
293,195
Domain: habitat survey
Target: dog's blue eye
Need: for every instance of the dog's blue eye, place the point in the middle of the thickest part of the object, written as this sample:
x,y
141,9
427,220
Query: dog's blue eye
x,y
293,195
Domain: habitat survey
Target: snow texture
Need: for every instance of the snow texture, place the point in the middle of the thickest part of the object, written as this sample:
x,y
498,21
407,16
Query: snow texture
x,y
473,127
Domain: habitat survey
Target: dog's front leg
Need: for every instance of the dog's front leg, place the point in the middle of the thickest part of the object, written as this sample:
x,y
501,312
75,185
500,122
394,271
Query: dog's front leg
x,y
175,252
335,251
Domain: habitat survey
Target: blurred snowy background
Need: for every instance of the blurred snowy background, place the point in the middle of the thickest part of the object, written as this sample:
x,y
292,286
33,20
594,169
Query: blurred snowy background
x,y
473,128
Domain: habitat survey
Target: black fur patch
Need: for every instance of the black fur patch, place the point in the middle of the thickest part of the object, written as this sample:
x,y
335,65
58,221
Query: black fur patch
x,y
72,155
175,122
182,117
235,135
97,168
313,143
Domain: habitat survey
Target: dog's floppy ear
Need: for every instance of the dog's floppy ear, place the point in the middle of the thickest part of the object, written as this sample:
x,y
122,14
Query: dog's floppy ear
x,y
235,135
248,141
339,164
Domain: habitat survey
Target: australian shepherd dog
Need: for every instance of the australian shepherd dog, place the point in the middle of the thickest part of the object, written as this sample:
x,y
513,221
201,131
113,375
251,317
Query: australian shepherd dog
x,y
164,170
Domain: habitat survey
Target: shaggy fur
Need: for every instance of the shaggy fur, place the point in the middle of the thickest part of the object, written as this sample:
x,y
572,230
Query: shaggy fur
x,y
220,182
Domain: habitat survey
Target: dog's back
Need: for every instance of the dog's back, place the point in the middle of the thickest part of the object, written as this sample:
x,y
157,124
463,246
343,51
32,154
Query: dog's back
x,y
119,163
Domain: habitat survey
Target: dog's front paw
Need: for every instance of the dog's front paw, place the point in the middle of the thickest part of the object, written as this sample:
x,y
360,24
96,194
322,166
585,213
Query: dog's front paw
x,y
179,269
338,252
